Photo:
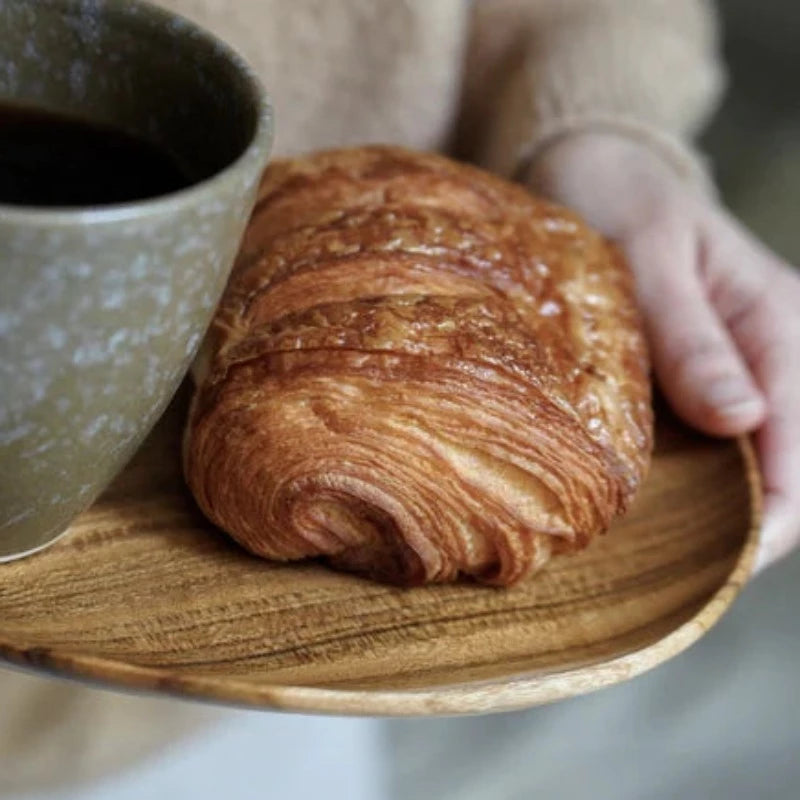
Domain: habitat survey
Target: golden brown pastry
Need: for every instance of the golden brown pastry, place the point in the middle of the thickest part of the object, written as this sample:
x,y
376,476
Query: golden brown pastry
x,y
418,371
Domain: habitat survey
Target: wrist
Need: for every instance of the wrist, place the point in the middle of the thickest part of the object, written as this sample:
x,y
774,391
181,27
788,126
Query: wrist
x,y
672,150
596,152
615,181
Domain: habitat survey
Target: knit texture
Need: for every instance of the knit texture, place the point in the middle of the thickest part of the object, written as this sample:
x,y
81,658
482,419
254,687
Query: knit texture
x,y
539,70
493,80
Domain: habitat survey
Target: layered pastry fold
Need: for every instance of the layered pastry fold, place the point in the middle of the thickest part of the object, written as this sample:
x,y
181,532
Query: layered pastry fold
x,y
418,371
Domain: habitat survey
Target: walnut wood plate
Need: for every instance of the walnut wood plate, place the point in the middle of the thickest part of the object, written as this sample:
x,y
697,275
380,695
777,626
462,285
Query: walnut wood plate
x,y
143,593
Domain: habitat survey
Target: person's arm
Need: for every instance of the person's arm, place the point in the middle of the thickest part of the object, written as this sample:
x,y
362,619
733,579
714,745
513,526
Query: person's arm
x,y
596,107
538,70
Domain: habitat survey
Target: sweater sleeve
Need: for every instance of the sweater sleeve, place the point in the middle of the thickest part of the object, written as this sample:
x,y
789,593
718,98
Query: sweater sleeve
x,y
540,69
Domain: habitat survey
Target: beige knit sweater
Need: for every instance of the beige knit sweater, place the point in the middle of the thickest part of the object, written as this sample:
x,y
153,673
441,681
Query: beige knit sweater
x,y
492,81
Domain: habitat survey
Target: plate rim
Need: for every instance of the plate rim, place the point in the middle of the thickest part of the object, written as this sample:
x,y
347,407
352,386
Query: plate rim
x,y
492,695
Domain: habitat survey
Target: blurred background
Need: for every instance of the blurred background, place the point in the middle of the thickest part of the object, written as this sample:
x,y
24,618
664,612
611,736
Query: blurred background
x,y
754,141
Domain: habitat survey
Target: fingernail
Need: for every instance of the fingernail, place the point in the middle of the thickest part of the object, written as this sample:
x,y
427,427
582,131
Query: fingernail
x,y
779,532
734,398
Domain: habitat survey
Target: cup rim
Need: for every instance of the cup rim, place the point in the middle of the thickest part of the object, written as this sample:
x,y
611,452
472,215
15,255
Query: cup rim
x,y
251,157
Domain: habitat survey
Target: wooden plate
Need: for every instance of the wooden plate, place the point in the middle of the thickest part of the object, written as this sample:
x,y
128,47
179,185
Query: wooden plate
x,y
143,593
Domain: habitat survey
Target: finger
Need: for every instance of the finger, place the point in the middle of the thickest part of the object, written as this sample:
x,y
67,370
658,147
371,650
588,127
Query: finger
x,y
779,444
747,285
696,361
758,301
779,450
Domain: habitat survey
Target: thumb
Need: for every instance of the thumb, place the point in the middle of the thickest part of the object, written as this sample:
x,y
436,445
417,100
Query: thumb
x,y
700,370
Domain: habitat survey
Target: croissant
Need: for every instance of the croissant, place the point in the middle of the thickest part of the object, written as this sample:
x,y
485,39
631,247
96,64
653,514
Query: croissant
x,y
418,371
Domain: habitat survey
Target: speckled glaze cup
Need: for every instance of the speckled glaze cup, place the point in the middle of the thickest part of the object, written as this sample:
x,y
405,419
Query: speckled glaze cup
x,y
102,310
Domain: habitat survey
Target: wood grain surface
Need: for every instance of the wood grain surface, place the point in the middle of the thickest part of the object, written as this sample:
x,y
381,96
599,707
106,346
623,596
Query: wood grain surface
x,y
143,593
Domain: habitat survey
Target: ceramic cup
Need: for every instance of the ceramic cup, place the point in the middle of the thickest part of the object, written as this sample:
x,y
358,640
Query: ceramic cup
x,y
102,309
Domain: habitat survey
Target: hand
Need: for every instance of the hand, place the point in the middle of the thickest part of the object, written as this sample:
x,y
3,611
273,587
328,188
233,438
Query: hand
x,y
722,312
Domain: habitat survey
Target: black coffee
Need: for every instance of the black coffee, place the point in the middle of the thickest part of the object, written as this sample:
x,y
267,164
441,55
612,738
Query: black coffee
x,y
52,160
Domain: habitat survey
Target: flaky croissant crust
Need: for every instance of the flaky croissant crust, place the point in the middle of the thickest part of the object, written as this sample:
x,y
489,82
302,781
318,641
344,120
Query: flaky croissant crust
x,y
418,371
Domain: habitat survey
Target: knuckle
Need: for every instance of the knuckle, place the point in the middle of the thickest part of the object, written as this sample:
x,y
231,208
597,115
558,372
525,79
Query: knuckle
x,y
777,354
700,358
740,299
657,237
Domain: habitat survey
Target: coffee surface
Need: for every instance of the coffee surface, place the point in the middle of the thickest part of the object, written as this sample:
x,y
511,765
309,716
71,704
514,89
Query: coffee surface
x,y
55,160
